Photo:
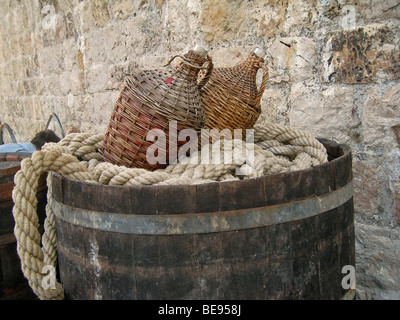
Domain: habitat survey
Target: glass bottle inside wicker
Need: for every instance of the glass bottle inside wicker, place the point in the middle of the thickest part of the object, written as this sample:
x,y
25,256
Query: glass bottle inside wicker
x,y
150,100
231,99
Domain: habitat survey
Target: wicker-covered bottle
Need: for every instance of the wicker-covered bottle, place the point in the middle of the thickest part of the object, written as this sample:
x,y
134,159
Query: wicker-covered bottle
x,y
151,100
230,98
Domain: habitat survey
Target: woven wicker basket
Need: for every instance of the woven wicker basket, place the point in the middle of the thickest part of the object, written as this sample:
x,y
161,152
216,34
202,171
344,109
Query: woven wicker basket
x,y
230,98
150,100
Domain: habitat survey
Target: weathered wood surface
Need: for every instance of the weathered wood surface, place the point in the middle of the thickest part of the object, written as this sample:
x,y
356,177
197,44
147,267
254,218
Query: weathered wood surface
x,y
301,258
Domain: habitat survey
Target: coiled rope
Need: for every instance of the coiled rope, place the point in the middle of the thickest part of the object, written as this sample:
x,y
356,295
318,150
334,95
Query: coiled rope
x,y
276,149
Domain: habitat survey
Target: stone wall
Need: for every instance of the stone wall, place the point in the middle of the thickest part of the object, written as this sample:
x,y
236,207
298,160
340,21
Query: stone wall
x,y
334,70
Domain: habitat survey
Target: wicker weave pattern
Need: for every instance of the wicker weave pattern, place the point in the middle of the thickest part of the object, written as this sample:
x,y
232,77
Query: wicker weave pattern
x,y
148,101
231,99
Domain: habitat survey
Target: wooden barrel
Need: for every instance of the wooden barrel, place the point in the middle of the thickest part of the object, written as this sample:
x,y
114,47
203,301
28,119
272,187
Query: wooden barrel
x,y
282,236
13,284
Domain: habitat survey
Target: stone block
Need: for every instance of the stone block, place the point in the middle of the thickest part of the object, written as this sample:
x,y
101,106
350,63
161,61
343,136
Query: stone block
x,y
397,202
117,74
377,266
38,108
275,106
93,14
358,55
279,62
122,9
100,12
97,78
5,52
381,114
292,59
269,21
51,60
327,112
98,46
377,10
366,188
223,20
229,57
28,107
275,19
33,86
66,5
17,68
71,48
103,105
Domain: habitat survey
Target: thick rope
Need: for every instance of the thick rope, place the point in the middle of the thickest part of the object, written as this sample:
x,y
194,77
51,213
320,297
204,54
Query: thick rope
x,y
276,149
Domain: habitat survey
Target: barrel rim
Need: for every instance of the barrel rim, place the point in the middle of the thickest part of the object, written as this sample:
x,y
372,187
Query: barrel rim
x,y
342,151
212,196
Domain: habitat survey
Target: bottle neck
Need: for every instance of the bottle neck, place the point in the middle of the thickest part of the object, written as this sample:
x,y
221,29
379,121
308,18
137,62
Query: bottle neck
x,y
193,58
252,63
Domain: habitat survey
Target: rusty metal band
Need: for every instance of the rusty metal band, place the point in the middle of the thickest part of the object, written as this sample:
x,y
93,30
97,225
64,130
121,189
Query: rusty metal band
x,y
192,223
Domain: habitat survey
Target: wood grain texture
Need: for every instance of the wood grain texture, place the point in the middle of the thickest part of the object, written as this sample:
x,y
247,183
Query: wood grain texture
x,y
298,259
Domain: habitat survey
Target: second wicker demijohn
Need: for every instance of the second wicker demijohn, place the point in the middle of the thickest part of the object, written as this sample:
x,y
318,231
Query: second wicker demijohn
x,y
231,99
150,100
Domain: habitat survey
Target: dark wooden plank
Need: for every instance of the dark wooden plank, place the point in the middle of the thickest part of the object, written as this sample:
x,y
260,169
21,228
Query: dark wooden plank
x,y
299,184
6,217
209,276
57,185
324,179
326,225
343,170
175,199
105,198
243,245
249,193
168,283
243,281
243,194
119,286
13,285
143,199
71,237
6,191
117,276
207,197
277,239
329,270
208,249
278,279
95,256
227,195
275,189
146,251
72,276
72,193
305,274
176,250
303,235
